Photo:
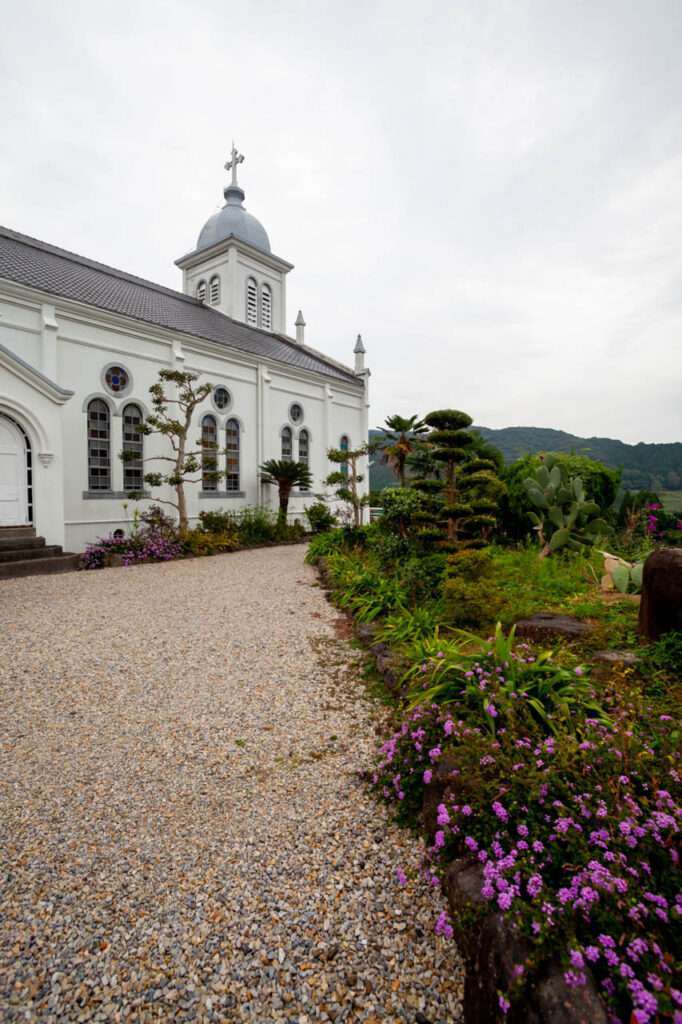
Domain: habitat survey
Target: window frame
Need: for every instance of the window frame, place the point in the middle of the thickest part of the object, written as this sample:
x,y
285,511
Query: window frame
x,y
97,445
287,433
233,479
209,485
214,289
134,443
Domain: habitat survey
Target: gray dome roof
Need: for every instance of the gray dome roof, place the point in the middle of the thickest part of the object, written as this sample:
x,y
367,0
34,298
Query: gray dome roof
x,y
233,219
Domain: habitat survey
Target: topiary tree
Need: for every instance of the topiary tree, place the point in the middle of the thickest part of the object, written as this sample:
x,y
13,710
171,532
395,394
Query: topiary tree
x,y
346,479
172,418
285,474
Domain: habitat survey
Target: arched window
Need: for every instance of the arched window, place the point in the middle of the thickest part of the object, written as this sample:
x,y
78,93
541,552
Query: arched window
x,y
133,442
214,290
304,451
251,302
209,461
286,444
344,445
266,307
99,446
201,291
232,449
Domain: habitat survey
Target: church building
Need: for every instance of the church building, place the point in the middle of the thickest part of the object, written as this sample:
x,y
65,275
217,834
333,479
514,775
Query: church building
x,y
82,343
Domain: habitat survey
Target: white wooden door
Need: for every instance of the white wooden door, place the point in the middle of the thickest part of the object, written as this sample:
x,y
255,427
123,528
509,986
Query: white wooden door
x,y
13,482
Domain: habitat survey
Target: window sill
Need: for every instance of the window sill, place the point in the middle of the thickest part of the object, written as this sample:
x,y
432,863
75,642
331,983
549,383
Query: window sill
x,y
108,495
222,494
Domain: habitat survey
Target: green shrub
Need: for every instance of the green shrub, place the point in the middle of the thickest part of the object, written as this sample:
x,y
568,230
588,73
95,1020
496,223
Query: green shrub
x,y
423,578
198,542
320,517
402,509
403,626
255,525
325,544
471,597
217,521
389,549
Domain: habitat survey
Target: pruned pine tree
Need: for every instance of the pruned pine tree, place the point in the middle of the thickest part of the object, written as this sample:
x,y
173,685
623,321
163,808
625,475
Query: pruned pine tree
x,y
175,397
345,480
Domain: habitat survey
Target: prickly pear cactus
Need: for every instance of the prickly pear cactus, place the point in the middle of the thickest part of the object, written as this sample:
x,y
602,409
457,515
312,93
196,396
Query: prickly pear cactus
x,y
566,519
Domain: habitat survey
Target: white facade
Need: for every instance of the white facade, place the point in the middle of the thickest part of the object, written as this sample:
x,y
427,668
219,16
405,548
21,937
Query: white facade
x,y
55,351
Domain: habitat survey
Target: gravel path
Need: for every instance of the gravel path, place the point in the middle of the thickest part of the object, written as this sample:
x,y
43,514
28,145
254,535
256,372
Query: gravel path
x,y
181,833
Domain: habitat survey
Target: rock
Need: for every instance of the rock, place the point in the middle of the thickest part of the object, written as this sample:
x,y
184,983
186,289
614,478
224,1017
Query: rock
x,y
660,610
616,657
545,625
441,783
366,631
492,949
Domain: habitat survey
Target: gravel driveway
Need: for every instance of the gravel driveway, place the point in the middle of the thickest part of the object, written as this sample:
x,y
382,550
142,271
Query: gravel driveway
x,y
181,833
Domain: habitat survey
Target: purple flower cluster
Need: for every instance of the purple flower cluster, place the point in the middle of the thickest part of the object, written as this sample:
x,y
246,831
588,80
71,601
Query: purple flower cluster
x,y
150,546
578,843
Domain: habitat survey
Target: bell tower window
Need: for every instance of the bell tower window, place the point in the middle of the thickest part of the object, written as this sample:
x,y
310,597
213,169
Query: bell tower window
x,y
251,302
266,307
201,291
214,290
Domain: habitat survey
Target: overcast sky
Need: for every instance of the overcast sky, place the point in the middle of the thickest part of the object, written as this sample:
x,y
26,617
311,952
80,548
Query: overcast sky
x,y
490,191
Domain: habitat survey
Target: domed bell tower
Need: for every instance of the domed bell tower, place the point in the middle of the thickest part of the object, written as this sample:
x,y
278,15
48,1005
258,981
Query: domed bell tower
x,y
232,269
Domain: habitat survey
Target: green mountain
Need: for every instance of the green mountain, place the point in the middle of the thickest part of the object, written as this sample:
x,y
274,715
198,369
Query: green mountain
x,y
653,467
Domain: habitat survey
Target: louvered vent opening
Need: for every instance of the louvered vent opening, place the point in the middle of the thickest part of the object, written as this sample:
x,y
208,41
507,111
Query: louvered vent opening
x,y
266,308
215,291
201,291
251,302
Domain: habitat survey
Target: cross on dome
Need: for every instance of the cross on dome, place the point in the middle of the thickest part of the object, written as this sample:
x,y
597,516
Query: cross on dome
x,y
231,165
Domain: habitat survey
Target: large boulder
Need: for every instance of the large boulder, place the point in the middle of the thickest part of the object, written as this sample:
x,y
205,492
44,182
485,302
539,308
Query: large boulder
x,y
491,949
660,610
545,626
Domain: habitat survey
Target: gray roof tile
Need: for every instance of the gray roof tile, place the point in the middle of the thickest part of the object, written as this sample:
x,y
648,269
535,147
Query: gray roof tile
x,y
61,273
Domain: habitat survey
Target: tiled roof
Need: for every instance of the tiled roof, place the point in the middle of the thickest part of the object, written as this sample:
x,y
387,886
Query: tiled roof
x,y
61,273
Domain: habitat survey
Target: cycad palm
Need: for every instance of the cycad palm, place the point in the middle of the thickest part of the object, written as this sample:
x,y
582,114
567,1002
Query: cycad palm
x,y
285,473
401,440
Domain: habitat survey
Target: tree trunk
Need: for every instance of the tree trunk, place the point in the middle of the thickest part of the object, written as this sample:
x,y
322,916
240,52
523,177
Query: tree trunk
x,y
284,492
179,487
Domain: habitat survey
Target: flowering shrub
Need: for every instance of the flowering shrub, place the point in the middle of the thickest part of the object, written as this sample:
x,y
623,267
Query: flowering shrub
x,y
577,834
147,546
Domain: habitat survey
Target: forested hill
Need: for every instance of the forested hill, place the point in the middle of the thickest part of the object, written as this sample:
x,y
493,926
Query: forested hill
x,y
645,466
652,467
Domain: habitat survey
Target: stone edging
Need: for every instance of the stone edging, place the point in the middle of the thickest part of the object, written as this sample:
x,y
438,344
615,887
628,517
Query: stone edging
x,y
490,947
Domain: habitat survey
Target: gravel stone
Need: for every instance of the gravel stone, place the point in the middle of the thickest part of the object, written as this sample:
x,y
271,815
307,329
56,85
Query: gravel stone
x,y
182,833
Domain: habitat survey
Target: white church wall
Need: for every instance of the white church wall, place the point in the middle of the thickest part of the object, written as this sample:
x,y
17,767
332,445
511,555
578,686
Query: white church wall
x,y
20,329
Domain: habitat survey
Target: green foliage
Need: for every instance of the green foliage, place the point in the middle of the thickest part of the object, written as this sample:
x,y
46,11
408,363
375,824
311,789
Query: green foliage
x,y
471,597
567,519
423,578
665,655
487,675
320,517
402,510
361,589
217,521
599,483
200,542
347,478
401,440
405,626
255,525
285,474
389,549
324,544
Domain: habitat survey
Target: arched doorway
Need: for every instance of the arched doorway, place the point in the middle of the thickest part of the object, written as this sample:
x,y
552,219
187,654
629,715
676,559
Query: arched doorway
x,y
16,484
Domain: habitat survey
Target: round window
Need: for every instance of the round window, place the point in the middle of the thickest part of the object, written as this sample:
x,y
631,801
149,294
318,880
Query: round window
x,y
222,398
116,379
296,413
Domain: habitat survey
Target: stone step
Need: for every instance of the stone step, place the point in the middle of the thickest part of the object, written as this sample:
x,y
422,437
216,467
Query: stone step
x,y
17,543
10,532
66,562
24,554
